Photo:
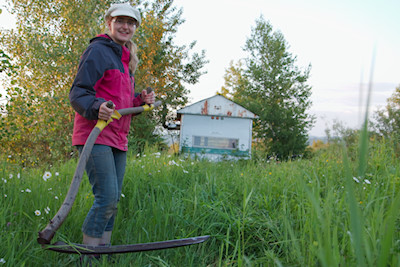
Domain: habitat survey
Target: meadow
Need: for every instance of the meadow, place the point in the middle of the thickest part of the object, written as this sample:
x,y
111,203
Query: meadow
x,y
334,209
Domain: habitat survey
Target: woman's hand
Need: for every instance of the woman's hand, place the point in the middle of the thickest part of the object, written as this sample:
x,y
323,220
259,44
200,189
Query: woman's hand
x,y
105,112
148,98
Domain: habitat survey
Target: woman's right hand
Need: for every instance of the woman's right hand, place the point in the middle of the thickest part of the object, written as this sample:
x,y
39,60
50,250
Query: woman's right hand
x,y
105,112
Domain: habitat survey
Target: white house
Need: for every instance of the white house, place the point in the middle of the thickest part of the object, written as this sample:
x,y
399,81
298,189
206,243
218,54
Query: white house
x,y
216,128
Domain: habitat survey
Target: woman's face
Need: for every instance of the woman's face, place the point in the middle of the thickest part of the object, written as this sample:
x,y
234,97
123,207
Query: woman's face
x,y
122,29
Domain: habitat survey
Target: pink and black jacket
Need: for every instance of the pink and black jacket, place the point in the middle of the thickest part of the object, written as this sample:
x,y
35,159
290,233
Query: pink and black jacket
x,y
103,75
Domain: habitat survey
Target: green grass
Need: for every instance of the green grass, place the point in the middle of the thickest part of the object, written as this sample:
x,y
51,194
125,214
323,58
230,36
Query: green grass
x,y
300,213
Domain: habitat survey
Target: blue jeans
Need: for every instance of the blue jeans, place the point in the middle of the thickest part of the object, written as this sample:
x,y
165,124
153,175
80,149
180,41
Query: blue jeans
x,y
106,169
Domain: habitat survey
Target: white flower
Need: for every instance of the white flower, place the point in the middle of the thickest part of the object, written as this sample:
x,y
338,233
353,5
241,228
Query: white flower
x,y
28,190
18,176
172,162
50,189
4,180
9,156
46,175
22,190
56,174
47,210
5,195
355,179
11,176
184,171
2,261
367,181
122,195
37,212
56,197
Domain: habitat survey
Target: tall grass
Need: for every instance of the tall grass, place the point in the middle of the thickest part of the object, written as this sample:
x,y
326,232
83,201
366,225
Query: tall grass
x,y
316,212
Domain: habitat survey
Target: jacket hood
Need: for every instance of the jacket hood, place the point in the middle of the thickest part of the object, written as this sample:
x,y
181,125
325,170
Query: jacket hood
x,y
106,40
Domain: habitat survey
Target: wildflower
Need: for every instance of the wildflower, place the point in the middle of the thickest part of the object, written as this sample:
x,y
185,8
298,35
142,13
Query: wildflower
x,y
5,195
4,180
18,176
184,171
46,175
122,195
355,179
172,162
50,189
56,174
2,261
367,181
47,210
270,173
28,190
56,197
22,190
11,176
8,224
37,212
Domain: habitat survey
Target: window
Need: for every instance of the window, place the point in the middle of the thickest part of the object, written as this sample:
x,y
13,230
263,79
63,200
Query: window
x,y
215,142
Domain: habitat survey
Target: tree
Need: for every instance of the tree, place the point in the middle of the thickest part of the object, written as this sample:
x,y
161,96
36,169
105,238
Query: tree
x,y
387,120
275,89
46,46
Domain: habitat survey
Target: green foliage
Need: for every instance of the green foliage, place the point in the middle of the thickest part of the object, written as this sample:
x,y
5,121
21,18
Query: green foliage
x,y
275,89
387,120
258,213
45,48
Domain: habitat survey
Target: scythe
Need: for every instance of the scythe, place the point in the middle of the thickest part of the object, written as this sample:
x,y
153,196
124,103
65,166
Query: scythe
x,y
47,234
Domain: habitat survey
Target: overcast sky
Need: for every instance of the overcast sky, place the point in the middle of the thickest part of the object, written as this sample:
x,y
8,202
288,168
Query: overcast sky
x,y
337,37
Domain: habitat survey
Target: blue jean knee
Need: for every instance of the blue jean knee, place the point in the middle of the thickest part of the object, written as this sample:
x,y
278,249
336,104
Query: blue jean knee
x,y
105,169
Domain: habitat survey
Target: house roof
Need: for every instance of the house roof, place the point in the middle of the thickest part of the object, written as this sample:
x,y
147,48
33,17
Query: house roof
x,y
217,105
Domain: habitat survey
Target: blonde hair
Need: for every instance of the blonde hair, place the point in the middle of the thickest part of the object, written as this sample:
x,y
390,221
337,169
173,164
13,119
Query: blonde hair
x,y
133,60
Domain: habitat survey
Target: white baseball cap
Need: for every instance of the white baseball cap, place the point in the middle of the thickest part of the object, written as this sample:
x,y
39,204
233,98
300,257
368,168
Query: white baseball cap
x,y
124,9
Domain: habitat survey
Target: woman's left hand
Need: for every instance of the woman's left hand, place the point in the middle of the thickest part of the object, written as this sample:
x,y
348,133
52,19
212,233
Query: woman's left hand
x,y
148,98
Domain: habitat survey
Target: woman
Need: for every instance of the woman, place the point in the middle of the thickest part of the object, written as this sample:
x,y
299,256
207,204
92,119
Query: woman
x,y
106,73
